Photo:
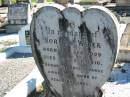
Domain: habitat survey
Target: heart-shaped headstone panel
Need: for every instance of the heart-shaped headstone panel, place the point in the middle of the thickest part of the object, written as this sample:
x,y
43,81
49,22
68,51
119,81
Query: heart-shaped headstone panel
x,y
74,50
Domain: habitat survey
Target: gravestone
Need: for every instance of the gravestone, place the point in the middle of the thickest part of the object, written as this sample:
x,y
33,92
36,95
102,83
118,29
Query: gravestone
x,y
103,1
74,48
18,16
6,2
123,2
40,1
24,1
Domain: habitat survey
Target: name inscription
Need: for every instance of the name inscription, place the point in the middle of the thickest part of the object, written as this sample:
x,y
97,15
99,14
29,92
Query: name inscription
x,y
51,49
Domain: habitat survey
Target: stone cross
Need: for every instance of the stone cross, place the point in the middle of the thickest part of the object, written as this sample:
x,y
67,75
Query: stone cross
x,y
74,48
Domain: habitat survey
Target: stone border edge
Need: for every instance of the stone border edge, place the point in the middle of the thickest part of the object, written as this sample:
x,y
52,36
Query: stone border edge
x,y
27,85
9,51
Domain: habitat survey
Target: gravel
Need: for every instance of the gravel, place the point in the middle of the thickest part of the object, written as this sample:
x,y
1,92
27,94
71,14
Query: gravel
x,y
13,70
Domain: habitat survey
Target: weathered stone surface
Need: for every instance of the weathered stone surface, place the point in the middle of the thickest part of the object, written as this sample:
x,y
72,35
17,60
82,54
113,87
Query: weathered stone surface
x,y
5,2
103,1
18,12
74,49
40,1
26,1
18,16
123,2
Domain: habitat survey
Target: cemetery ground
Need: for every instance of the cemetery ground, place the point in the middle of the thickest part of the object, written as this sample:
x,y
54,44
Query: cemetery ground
x,y
14,68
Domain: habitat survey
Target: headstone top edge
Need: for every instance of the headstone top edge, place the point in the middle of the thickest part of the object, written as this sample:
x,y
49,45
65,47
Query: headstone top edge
x,y
54,5
76,6
106,11
77,10
113,17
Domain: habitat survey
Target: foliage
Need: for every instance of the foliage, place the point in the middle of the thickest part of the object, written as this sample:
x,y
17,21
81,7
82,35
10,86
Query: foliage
x,y
49,0
1,50
13,1
33,1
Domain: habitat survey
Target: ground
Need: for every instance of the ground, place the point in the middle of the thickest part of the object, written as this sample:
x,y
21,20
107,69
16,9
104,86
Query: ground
x,y
13,70
119,85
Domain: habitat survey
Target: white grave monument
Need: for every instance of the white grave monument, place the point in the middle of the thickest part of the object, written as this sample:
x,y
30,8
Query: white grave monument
x,y
18,16
74,48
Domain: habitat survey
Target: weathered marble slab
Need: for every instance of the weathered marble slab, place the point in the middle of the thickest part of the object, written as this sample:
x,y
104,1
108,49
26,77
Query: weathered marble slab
x,y
40,1
19,14
123,2
18,11
103,1
26,1
74,49
6,2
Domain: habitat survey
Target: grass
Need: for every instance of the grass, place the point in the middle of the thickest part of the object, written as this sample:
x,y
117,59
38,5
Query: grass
x,y
33,1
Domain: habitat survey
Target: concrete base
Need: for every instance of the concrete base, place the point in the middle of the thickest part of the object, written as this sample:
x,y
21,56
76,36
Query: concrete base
x,y
23,49
15,49
6,54
13,28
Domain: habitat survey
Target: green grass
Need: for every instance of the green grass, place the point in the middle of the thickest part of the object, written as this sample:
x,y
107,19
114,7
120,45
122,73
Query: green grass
x,y
13,1
33,1
49,0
